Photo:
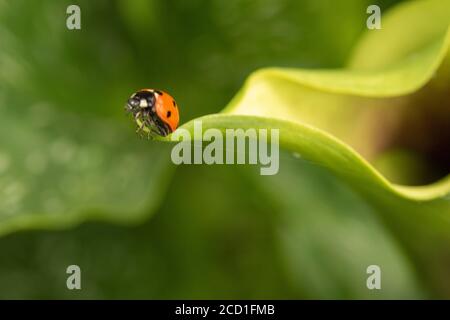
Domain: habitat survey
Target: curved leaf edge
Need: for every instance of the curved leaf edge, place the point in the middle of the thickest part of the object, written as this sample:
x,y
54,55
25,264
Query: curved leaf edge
x,y
326,79
309,141
227,120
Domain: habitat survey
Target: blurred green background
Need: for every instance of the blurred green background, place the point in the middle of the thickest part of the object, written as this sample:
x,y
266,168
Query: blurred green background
x,y
217,231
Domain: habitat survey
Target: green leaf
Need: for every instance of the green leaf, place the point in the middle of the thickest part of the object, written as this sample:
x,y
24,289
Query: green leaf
x,y
318,120
330,116
346,119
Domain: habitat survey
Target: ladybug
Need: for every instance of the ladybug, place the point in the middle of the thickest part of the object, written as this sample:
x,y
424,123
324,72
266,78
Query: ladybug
x,y
154,111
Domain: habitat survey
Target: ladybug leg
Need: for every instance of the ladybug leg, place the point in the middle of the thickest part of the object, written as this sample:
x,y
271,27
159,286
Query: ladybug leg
x,y
139,131
147,124
162,129
151,128
137,115
140,127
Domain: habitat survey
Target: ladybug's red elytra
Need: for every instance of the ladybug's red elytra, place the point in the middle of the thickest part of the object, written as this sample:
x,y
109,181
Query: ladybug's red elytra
x,y
155,111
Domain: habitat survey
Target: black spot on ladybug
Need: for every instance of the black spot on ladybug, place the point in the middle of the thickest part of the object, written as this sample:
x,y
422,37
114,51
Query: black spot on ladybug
x,y
168,114
159,92
174,103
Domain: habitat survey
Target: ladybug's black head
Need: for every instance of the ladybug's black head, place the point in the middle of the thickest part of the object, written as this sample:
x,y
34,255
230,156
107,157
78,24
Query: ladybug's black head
x,y
140,100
